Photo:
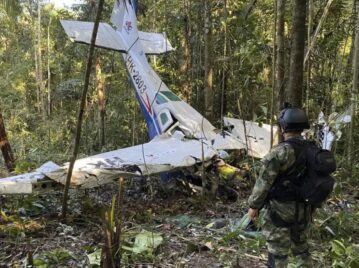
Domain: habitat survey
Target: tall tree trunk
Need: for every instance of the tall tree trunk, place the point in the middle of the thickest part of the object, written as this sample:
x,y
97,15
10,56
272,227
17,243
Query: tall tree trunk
x,y
49,108
297,53
38,93
225,68
100,79
349,64
39,77
354,92
208,68
274,58
5,147
186,59
309,63
280,65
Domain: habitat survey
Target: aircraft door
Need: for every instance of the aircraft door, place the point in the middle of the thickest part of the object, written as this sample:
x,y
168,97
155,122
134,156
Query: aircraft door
x,y
165,119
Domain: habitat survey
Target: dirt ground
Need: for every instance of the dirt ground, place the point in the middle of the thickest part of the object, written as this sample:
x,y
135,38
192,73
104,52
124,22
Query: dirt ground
x,y
193,233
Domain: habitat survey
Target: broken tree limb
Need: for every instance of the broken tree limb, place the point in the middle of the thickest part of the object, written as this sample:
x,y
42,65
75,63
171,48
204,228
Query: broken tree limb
x,y
5,147
249,8
314,38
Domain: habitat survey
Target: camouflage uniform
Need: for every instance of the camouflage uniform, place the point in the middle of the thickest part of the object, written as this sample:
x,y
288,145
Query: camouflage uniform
x,y
280,238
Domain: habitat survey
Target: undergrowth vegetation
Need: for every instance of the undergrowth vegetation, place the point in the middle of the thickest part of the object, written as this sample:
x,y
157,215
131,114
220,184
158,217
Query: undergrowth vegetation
x,y
159,230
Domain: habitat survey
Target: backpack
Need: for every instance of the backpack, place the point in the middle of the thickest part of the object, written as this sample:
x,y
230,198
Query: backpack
x,y
308,180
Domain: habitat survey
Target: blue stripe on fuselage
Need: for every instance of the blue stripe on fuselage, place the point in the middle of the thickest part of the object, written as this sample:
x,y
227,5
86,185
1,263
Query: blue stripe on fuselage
x,y
151,122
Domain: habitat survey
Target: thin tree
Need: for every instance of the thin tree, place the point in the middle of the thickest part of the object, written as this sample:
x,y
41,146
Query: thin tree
x,y
100,80
351,144
314,38
12,7
249,8
309,63
349,64
208,68
297,53
225,68
48,70
38,56
186,53
280,55
82,108
273,71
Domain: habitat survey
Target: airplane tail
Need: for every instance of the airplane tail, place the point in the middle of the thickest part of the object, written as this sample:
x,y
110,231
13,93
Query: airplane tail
x,y
124,19
124,37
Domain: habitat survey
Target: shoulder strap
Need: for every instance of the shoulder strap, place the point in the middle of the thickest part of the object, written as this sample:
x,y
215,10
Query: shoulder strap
x,y
300,147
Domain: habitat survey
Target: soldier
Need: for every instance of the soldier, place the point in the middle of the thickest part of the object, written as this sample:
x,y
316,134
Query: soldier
x,y
285,222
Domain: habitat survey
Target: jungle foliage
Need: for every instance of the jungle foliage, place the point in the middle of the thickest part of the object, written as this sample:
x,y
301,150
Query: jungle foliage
x,y
42,74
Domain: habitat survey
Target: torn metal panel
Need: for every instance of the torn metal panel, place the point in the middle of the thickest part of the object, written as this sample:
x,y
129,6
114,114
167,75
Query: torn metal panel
x,y
48,167
27,183
327,138
88,179
15,187
81,32
258,137
160,155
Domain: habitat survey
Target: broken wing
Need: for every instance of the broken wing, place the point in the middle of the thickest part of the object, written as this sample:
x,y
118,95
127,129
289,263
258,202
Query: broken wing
x,y
162,154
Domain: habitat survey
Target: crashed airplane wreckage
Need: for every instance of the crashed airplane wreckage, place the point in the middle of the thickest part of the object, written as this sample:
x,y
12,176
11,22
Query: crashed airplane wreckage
x,y
180,136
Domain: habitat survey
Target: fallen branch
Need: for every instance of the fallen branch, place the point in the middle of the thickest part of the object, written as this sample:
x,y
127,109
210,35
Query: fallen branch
x,y
254,257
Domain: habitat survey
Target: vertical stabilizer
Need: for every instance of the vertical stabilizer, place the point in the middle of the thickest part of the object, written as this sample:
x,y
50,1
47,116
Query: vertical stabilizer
x,y
124,19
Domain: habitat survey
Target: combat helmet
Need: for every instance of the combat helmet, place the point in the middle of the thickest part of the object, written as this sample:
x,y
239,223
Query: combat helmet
x,y
293,119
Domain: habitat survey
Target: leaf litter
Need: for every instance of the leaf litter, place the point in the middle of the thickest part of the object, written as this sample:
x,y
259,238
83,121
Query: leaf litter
x,y
161,228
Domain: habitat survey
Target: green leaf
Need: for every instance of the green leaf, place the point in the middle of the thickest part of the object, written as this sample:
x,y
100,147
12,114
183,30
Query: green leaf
x,y
145,242
338,247
95,258
40,263
4,216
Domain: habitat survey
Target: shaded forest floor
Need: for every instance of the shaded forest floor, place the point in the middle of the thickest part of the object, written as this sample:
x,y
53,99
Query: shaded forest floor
x,y
190,233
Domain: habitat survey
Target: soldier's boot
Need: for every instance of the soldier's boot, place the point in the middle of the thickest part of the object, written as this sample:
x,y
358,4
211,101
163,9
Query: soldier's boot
x,y
304,260
277,261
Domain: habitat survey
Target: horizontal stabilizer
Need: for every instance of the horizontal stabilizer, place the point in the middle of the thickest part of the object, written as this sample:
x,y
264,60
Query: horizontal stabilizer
x,y
81,32
155,43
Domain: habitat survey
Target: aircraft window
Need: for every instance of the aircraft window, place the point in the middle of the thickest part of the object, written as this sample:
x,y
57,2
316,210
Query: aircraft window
x,y
170,96
160,99
164,118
